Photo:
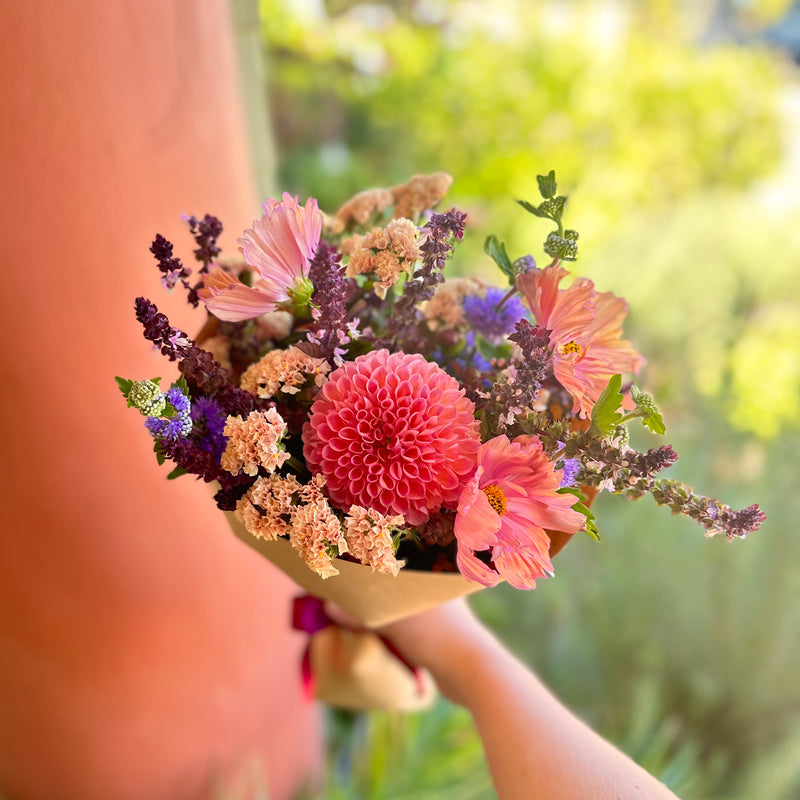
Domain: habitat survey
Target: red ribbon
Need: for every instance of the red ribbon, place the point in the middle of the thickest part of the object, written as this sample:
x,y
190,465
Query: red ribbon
x,y
309,616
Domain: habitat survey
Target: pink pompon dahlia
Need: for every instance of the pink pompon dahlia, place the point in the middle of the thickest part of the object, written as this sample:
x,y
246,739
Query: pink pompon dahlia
x,y
505,509
278,248
392,432
585,330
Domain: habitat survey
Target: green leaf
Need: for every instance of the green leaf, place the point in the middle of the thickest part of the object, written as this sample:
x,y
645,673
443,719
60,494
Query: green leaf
x,y
591,527
648,411
496,250
531,209
176,473
160,457
547,184
181,384
604,414
124,384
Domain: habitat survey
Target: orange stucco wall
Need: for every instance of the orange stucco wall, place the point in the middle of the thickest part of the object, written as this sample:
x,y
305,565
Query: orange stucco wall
x,y
144,652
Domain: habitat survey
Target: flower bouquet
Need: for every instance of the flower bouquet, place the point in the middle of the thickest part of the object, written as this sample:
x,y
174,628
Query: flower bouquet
x,y
389,438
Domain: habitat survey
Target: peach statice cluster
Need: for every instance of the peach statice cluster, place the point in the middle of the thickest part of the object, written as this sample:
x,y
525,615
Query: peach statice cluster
x,y
343,395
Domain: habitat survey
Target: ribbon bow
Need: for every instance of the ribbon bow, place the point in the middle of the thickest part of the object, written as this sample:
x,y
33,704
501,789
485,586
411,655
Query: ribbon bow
x,y
309,616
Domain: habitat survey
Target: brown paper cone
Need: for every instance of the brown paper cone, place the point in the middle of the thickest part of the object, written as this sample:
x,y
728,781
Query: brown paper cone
x,y
355,671
373,598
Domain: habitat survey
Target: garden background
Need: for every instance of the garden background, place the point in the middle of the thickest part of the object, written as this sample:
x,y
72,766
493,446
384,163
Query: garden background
x,y
675,128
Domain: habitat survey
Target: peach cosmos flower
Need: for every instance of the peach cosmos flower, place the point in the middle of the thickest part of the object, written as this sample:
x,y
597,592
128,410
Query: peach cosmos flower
x,y
505,509
585,330
392,432
278,248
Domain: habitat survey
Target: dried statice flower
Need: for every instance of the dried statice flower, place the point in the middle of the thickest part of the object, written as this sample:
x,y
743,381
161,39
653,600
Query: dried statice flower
x,y
419,194
360,208
369,538
254,443
384,251
316,532
266,508
283,371
446,308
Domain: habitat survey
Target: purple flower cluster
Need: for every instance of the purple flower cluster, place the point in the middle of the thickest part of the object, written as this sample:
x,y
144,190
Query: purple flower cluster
x,y
177,425
205,232
510,397
440,231
331,328
173,342
170,267
488,317
208,431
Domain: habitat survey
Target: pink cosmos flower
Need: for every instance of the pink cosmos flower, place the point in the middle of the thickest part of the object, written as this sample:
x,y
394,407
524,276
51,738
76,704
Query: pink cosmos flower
x,y
278,247
585,333
506,507
392,432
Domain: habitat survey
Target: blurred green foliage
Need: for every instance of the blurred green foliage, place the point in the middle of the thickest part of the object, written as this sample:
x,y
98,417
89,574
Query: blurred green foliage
x,y
680,650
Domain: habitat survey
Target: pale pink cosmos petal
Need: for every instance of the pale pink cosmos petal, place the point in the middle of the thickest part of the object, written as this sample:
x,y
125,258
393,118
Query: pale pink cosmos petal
x,y
236,302
280,244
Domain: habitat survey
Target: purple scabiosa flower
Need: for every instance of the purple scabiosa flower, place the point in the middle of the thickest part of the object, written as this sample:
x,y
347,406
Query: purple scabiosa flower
x,y
488,317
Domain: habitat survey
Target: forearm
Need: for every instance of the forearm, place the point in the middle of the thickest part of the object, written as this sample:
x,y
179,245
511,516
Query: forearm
x,y
536,748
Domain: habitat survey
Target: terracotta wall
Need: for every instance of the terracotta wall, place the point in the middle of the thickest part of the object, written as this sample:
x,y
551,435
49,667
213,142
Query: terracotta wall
x,y
143,650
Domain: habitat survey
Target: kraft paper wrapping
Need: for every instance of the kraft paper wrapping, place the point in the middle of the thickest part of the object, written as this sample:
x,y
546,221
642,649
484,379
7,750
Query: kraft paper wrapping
x,y
373,598
353,670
